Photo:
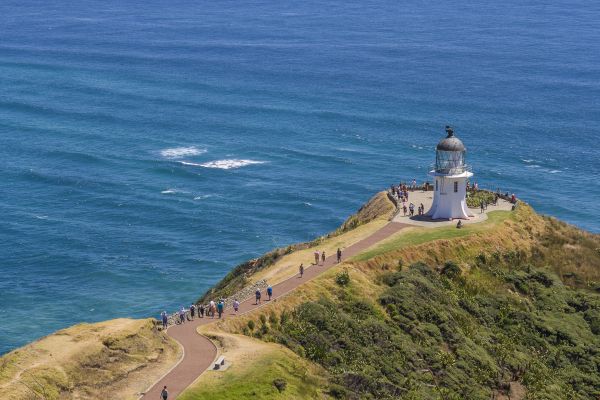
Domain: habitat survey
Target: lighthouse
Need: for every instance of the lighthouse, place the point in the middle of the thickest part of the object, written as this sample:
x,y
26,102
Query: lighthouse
x,y
450,174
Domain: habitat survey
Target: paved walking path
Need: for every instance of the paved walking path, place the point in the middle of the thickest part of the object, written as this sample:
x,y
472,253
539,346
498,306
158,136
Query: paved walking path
x,y
200,353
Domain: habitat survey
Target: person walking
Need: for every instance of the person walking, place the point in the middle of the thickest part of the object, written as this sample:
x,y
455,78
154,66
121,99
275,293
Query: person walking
x,y
182,315
301,269
257,295
164,395
270,292
422,209
212,308
404,209
482,206
339,255
165,319
192,311
220,308
317,256
236,305
411,207
201,310
323,257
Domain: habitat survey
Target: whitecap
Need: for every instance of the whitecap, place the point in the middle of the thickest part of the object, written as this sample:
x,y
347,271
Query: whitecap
x,y
306,203
527,161
533,166
554,171
190,163
179,152
203,196
41,216
169,191
230,163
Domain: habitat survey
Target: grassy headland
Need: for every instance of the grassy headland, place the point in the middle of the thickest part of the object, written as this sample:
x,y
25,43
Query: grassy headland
x,y
508,307
117,359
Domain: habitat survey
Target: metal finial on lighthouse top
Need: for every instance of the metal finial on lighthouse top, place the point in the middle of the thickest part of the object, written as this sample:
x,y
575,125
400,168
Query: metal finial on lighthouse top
x,y
449,131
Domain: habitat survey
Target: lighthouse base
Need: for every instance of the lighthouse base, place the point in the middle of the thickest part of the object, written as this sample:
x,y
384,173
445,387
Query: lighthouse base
x,y
449,198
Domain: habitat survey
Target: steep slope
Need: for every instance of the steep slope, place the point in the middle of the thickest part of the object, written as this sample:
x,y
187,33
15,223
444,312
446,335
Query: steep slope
x,y
507,308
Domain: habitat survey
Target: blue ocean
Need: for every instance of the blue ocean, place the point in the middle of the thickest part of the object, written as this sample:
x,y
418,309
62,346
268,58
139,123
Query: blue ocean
x,y
146,148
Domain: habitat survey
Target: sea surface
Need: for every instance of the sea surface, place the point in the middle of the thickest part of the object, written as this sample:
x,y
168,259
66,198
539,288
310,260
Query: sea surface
x,y
148,147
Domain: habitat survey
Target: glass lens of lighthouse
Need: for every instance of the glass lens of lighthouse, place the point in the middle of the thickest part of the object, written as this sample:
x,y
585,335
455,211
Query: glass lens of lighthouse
x,y
449,162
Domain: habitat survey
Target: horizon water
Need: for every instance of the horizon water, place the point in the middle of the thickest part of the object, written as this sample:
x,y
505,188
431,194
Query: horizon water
x,y
146,148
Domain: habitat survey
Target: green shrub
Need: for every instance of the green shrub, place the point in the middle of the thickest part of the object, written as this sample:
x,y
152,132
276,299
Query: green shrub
x,y
280,384
342,278
451,269
251,325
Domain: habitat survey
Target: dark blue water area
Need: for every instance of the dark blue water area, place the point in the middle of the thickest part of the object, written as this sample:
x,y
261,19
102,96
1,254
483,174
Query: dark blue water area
x,y
146,148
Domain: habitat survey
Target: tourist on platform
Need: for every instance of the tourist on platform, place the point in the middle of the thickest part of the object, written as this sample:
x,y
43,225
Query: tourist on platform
x,y
411,207
460,224
404,209
212,307
513,198
201,310
164,395
317,256
323,257
182,314
414,184
165,319
301,270
257,295
192,311
220,308
339,255
270,292
236,305
422,209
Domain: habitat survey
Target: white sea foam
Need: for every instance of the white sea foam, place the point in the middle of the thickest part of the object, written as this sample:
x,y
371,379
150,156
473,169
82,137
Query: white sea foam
x,y
527,161
192,164
203,196
554,171
306,203
173,191
179,152
230,163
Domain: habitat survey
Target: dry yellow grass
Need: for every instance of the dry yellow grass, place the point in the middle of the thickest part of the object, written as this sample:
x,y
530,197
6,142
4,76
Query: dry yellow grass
x,y
119,358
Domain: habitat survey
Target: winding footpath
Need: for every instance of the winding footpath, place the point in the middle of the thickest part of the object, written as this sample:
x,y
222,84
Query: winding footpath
x,y
200,353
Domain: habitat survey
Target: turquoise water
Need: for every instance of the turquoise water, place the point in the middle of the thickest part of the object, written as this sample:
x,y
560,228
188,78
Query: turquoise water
x,y
148,147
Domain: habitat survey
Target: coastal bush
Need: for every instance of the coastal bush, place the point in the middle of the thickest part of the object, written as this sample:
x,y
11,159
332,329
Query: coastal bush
x,y
442,337
342,278
280,384
474,199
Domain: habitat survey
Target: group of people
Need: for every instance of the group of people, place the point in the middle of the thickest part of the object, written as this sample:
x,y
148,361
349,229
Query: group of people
x,y
411,209
217,308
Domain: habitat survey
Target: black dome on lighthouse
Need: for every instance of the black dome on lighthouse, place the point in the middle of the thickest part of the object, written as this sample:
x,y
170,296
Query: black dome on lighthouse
x,y
450,142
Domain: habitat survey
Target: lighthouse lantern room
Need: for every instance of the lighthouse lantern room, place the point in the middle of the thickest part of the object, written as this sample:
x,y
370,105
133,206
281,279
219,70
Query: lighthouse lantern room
x,y
450,174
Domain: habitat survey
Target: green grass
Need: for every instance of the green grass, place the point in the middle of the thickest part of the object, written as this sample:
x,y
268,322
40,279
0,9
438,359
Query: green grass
x,y
423,235
256,380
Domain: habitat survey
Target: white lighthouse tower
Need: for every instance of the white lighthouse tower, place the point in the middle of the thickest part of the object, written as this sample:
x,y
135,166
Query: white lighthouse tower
x,y
450,174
